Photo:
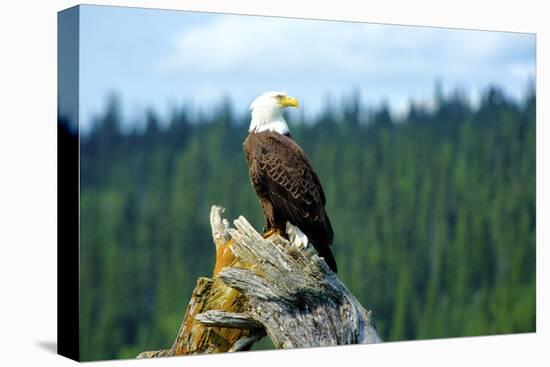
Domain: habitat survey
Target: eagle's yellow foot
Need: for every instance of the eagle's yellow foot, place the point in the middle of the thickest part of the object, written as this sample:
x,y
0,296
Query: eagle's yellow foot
x,y
269,233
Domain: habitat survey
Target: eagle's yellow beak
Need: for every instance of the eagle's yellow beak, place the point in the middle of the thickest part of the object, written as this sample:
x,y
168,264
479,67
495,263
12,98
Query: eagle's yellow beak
x,y
288,101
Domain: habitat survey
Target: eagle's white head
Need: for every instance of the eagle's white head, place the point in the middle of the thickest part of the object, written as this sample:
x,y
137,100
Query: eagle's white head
x,y
267,112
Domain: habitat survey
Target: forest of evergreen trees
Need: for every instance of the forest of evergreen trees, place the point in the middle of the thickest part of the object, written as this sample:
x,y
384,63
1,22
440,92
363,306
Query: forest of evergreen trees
x,y
433,214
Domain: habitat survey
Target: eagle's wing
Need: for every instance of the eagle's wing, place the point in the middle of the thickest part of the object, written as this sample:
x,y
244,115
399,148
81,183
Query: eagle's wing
x,y
294,189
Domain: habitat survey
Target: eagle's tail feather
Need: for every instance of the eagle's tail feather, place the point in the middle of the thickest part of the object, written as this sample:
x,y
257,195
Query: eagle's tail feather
x,y
325,253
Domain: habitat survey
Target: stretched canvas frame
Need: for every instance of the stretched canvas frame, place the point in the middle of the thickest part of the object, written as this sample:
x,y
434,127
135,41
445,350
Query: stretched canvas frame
x,y
69,191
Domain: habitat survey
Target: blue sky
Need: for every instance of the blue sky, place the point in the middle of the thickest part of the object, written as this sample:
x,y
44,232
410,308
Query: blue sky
x,y
163,59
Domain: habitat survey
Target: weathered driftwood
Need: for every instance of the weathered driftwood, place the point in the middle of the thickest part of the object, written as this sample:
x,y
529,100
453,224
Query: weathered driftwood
x,y
282,290
195,337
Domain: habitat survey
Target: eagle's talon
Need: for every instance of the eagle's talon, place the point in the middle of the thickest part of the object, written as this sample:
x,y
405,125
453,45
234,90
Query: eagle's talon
x,y
269,233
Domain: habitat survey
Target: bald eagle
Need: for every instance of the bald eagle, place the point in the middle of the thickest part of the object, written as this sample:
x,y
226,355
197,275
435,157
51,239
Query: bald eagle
x,y
288,188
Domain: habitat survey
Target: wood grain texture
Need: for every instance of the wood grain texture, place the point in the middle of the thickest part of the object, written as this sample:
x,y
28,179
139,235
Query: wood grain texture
x,y
293,293
194,337
268,286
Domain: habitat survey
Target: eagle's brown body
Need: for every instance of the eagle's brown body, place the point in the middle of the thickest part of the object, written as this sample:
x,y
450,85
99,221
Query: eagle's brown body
x,y
289,189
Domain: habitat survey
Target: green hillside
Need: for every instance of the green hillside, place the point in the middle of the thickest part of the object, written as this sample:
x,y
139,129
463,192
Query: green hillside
x,y
433,214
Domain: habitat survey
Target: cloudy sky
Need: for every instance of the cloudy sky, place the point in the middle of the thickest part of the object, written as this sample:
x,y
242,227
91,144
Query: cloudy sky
x,y
162,59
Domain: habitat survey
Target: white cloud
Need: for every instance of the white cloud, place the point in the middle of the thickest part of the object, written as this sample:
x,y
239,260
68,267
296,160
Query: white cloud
x,y
522,70
256,44
275,44
237,53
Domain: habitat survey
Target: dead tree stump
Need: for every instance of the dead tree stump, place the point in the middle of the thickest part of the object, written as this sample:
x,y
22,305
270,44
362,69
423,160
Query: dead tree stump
x,y
267,286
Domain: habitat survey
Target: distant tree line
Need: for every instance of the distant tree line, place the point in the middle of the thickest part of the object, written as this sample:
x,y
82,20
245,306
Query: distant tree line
x,y
433,214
